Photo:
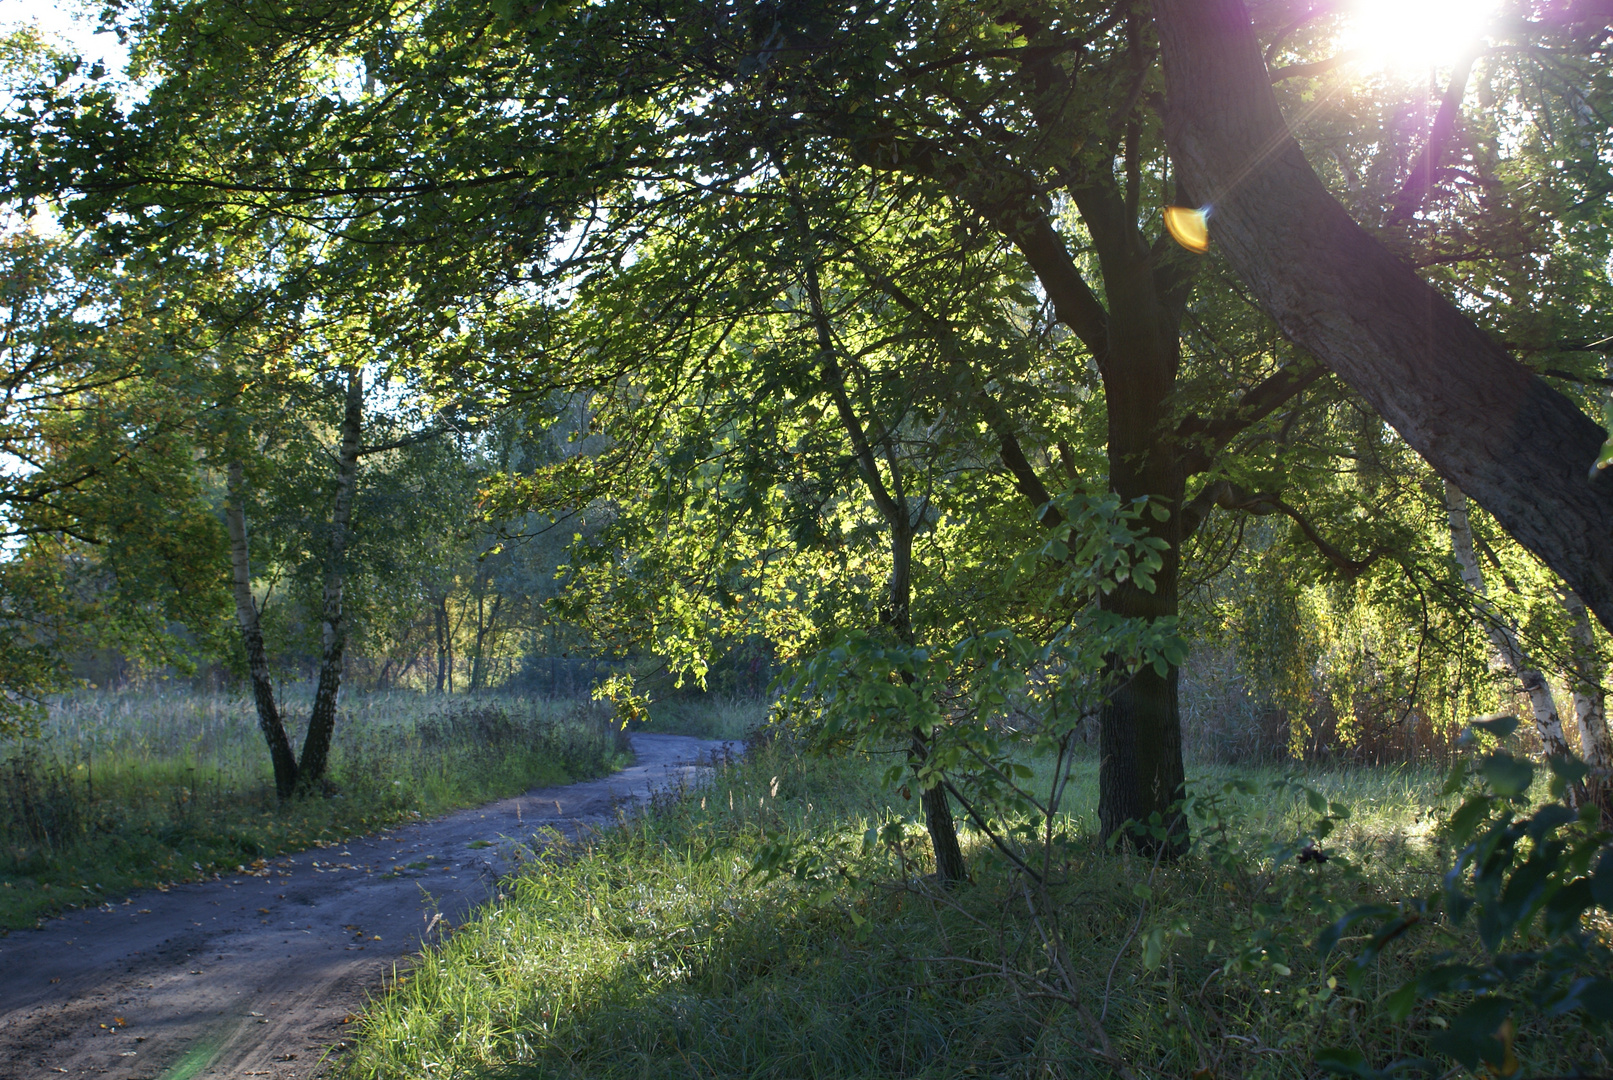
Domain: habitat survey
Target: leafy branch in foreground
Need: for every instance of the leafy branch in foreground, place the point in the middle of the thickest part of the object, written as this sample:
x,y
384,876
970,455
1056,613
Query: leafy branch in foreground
x,y
1527,883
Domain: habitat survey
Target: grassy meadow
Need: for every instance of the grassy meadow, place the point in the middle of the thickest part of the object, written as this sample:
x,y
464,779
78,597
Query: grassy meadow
x,y
656,950
139,789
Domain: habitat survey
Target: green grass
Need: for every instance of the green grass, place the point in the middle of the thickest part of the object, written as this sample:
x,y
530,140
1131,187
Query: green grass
x,y
123,791
708,716
652,953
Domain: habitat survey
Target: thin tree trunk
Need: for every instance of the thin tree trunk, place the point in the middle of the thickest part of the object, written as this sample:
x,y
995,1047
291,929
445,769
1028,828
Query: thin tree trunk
x,y
1590,709
322,720
1590,699
897,616
442,640
1548,724
1483,420
246,616
478,673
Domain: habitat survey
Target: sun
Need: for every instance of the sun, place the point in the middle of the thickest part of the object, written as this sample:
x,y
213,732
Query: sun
x,y
1408,37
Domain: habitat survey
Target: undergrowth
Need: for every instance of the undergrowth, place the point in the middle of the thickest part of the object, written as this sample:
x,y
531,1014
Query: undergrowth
x,y
707,716
125,791
778,923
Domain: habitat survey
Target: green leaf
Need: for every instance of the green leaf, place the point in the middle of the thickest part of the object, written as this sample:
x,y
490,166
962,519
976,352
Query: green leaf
x,y
1400,1003
1506,774
1153,948
1344,1061
1498,725
1602,880
1566,770
1604,458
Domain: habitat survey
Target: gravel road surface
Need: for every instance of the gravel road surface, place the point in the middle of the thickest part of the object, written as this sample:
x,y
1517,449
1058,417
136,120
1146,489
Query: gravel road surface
x,y
259,975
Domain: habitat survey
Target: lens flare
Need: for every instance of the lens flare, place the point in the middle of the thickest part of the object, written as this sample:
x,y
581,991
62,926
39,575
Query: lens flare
x,y
1189,227
1407,37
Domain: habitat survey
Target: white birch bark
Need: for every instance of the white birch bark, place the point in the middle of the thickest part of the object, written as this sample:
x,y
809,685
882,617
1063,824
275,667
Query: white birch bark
x,y
322,719
246,616
1548,724
1590,699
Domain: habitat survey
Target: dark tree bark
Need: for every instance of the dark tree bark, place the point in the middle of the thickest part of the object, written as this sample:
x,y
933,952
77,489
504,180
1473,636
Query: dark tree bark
x,y
441,618
1430,159
478,672
1140,772
1482,420
1136,343
322,720
246,616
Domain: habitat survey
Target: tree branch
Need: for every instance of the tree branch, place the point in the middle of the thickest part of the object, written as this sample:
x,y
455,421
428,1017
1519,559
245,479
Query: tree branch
x,y
1316,67
1420,181
425,435
1229,496
1209,437
997,419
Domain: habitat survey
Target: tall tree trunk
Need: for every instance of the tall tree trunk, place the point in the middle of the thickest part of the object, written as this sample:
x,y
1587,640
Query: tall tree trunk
x,y
1548,723
1484,421
1136,344
246,616
478,673
897,616
442,640
1590,710
1140,771
333,631
1590,699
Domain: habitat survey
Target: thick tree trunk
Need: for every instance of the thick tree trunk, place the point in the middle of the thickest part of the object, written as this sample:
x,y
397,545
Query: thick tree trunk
x,y
1517,447
246,616
322,720
1548,723
1140,771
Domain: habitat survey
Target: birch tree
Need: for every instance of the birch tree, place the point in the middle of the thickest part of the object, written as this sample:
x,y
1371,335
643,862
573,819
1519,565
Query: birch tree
x,y
1503,638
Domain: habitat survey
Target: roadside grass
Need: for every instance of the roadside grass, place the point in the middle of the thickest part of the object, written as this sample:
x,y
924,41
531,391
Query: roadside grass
x,y
128,790
654,951
708,716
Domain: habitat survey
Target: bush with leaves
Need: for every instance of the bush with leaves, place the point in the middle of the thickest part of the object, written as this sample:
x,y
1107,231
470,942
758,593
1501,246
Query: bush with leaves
x,y
1525,883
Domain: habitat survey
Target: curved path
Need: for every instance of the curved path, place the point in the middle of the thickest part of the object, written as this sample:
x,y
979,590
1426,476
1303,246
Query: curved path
x,y
258,975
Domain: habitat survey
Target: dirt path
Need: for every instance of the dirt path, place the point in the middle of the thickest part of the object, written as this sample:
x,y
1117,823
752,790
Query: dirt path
x,y
257,976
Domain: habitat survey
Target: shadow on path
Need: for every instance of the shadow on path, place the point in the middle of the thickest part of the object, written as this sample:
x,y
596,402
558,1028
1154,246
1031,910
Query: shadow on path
x,y
256,975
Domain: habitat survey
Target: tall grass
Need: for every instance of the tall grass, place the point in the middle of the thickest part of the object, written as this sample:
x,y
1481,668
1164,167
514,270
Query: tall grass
x,y
656,952
709,716
124,790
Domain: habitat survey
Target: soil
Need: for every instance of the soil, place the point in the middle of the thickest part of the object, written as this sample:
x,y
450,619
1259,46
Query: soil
x,y
261,974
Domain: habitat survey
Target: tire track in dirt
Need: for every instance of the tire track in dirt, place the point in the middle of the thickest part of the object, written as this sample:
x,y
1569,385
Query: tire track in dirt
x,y
259,975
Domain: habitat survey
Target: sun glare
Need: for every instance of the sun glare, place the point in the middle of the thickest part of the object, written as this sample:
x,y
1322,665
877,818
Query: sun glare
x,y
1407,37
